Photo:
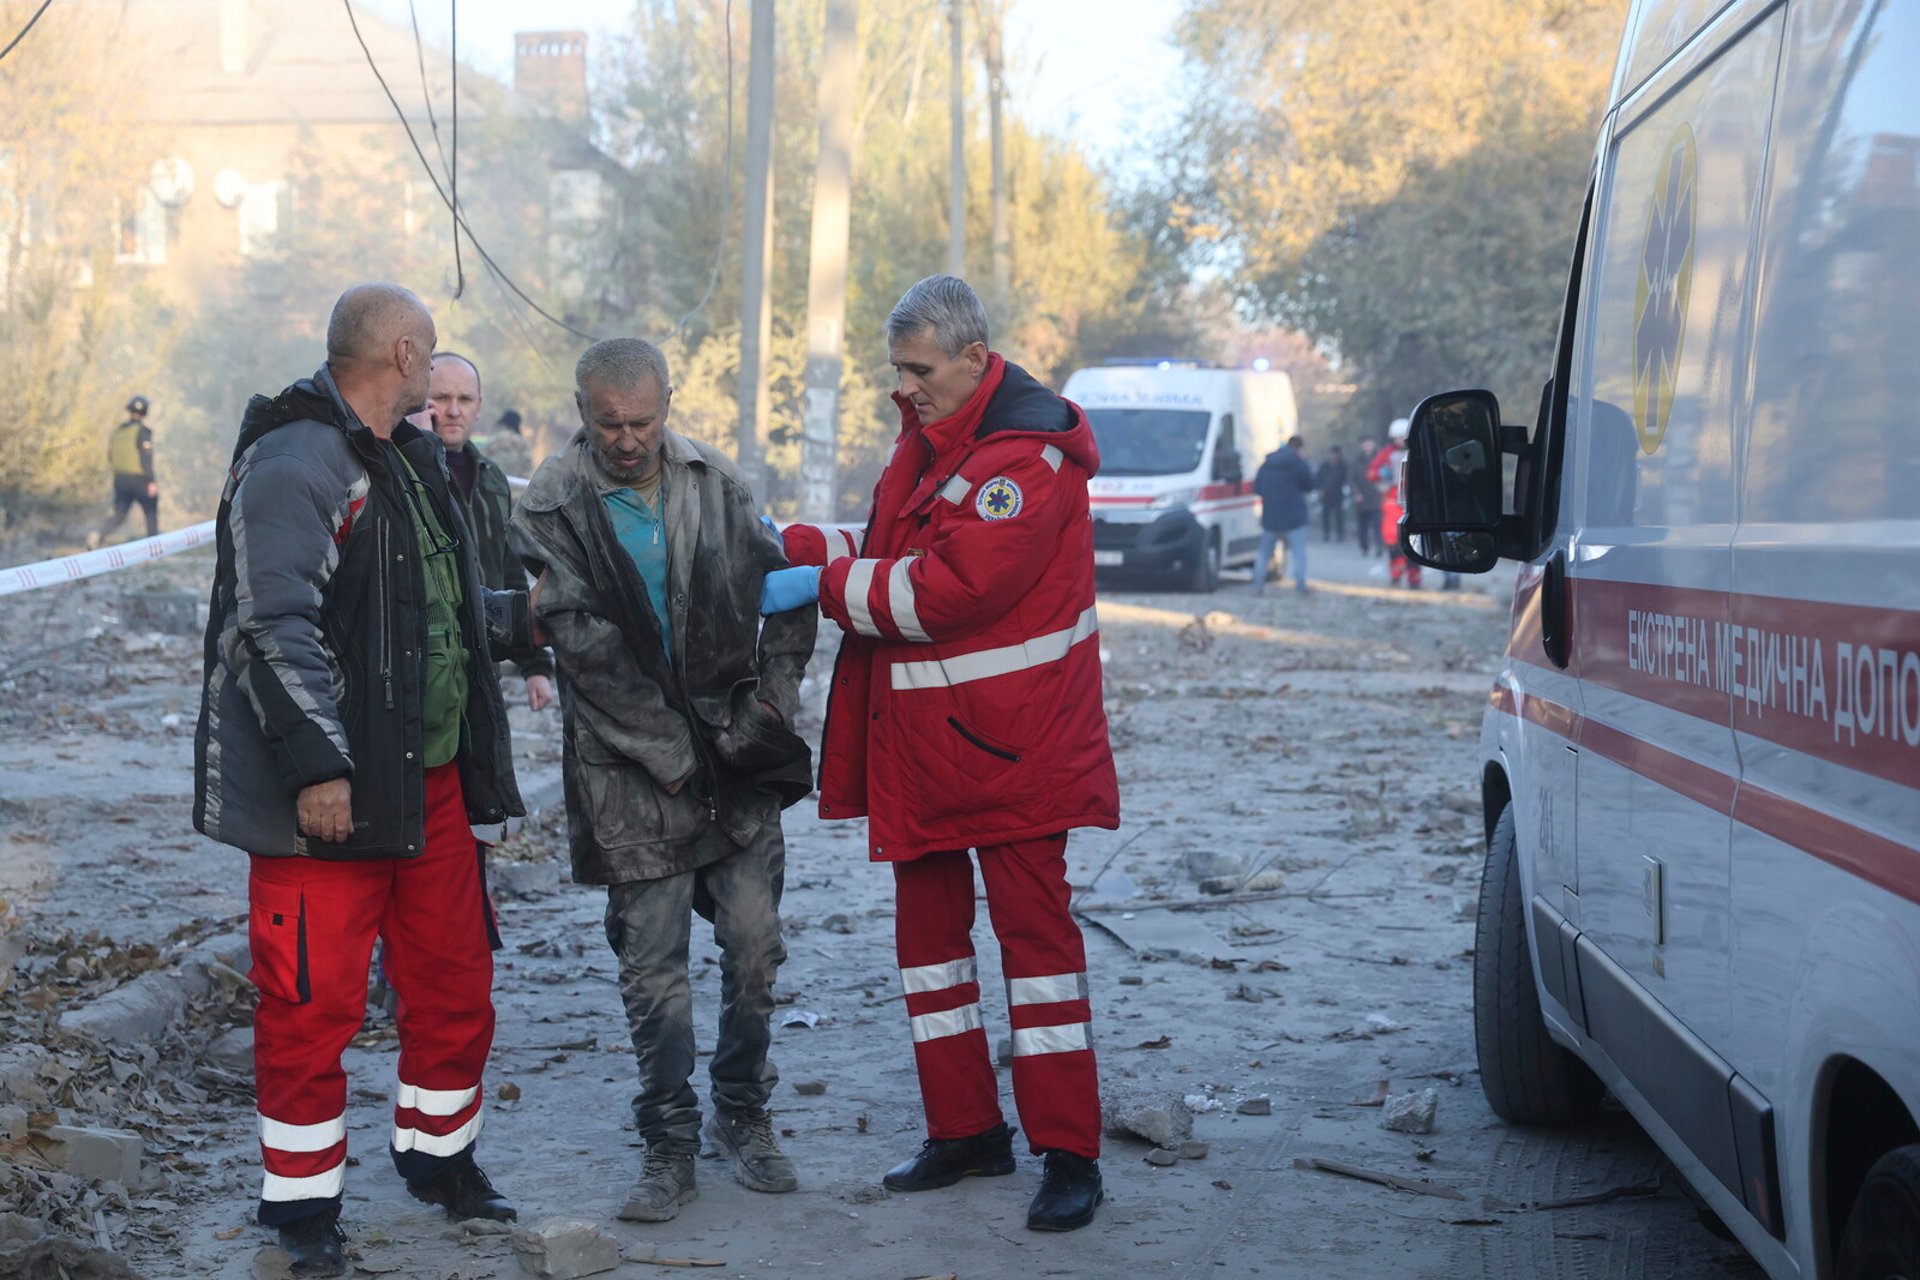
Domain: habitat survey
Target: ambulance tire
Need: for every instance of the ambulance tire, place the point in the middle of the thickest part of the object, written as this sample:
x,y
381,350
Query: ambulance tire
x,y
1528,1079
1883,1230
1204,577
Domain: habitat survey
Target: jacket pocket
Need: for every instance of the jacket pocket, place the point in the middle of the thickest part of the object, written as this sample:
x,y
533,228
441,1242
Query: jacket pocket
x,y
981,741
277,938
624,802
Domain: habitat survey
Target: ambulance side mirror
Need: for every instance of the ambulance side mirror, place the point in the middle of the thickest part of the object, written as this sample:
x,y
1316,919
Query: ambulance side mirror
x,y
1451,489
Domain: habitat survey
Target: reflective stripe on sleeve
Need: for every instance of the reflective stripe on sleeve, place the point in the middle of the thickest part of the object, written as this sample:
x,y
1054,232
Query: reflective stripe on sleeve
x,y
1052,457
1031,1041
947,1022
1052,989
299,1138
859,606
956,489
938,673
320,1186
923,978
900,596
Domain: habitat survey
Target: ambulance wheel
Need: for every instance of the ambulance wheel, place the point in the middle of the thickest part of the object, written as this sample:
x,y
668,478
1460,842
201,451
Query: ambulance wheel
x,y
1882,1240
1528,1079
1205,574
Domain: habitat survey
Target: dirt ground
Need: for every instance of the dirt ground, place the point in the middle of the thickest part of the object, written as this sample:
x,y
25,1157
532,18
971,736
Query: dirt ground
x,y
1316,754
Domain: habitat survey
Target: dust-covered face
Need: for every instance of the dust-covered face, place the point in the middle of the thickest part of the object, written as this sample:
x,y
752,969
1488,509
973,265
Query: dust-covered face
x,y
626,426
936,383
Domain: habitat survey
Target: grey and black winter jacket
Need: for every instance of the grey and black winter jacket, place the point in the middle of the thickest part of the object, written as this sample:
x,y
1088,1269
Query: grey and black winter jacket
x,y
316,647
636,723
487,512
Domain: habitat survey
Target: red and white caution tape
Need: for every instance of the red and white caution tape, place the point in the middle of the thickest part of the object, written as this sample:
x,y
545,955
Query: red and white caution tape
x,y
91,564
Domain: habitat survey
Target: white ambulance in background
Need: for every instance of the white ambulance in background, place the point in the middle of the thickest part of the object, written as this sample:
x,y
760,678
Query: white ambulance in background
x,y
1179,443
1701,762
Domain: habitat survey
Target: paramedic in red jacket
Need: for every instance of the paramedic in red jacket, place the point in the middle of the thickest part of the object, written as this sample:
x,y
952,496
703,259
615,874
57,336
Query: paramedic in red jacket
x,y
1385,473
966,713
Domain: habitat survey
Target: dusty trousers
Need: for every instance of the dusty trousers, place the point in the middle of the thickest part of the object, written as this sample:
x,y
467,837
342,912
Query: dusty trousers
x,y
1055,1083
312,926
649,927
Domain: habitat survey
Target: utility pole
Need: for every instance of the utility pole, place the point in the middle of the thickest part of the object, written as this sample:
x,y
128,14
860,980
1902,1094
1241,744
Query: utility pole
x,y
756,302
827,263
957,179
996,103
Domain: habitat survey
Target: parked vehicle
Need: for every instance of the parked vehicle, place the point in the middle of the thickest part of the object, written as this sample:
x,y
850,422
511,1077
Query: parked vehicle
x,y
1701,765
1179,443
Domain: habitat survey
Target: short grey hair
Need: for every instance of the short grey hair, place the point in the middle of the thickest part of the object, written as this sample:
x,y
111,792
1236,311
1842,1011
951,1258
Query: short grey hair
x,y
945,304
369,318
621,362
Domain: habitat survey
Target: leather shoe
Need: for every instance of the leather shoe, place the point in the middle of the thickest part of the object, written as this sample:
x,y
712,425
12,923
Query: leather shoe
x,y
464,1192
316,1244
942,1162
1069,1193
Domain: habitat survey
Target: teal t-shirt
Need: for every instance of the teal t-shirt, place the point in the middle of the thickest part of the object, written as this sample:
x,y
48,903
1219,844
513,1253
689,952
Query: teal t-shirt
x,y
641,530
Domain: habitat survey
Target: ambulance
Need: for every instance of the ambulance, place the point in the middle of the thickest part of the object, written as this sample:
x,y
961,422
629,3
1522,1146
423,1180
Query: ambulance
x,y
1701,760
1179,442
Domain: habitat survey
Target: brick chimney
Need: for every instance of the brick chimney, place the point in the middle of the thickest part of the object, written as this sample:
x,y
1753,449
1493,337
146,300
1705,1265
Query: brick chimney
x,y
550,70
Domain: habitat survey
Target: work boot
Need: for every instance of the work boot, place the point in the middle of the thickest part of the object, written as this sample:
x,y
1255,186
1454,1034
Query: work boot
x,y
464,1192
944,1161
1069,1193
746,1137
666,1183
316,1244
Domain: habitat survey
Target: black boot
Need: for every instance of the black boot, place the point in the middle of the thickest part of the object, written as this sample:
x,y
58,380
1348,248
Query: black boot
x,y
316,1244
464,1192
944,1161
1069,1193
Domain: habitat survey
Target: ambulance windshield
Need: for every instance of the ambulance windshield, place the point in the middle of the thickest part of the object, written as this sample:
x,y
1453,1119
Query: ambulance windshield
x,y
1149,442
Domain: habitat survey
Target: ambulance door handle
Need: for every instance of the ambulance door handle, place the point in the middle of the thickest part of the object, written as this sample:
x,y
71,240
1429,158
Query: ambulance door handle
x,y
1556,623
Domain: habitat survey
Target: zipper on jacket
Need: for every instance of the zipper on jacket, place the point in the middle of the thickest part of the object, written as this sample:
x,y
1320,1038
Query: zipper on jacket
x,y
977,741
386,632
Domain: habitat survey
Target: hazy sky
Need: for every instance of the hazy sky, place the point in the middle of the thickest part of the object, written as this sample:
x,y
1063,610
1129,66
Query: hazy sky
x,y
1100,71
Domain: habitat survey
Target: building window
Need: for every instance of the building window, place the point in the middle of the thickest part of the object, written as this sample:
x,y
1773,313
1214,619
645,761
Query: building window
x,y
142,223
264,210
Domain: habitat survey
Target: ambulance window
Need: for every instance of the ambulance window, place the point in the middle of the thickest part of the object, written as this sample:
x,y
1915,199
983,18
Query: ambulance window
x,y
1836,374
1656,402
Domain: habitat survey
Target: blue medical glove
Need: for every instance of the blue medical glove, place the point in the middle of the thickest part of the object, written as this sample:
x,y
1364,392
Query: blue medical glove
x,y
793,588
772,528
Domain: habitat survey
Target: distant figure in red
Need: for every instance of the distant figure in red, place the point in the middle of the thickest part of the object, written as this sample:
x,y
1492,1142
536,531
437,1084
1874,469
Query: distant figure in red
x,y
1385,471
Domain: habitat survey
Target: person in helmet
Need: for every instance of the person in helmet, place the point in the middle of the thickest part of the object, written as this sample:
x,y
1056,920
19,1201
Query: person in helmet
x,y
1385,472
130,453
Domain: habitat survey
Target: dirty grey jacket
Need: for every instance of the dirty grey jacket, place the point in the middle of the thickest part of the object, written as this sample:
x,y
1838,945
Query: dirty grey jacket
x,y
316,646
635,723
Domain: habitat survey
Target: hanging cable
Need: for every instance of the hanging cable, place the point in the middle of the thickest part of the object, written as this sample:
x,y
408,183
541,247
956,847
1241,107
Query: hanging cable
x,y
45,5
459,218
453,170
426,96
726,185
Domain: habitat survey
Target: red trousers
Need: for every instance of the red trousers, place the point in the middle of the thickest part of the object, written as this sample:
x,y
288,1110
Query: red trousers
x,y
312,926
1044,959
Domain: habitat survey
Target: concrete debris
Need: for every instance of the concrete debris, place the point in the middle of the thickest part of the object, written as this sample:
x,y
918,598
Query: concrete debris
x,y
1410,1112
231,1050
109,1155
1160,1157
1193,1149
1259,882
484,1227
17,1230
524,881
140,1011
63,1257
1199,1103
562,1248
13,1125
838,922
1160,1118
1259,1105
810,1088
1158,934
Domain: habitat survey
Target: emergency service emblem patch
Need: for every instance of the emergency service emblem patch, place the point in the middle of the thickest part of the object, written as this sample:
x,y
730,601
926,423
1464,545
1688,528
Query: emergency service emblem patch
x,y
1665,286
1000,499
